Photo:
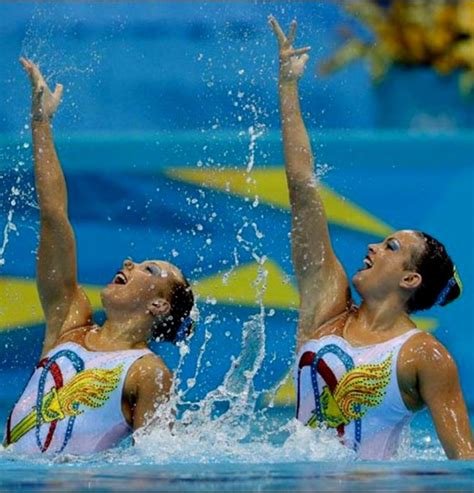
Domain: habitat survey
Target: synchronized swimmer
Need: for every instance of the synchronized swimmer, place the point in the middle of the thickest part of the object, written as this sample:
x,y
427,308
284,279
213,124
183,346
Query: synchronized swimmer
x,y
363,371
93,386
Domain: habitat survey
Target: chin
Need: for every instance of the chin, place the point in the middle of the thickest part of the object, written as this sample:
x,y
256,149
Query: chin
x,y
357,278
109,297
104,296
359,282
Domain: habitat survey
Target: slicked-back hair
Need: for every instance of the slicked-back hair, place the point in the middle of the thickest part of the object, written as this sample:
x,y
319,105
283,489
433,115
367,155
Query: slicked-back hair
x,y
181,299
437,270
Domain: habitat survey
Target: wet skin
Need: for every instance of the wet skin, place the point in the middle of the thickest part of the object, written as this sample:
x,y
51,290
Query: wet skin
x,y
427,374
133,302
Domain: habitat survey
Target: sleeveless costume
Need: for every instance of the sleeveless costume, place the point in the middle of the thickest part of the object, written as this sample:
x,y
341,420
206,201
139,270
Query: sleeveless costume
x,y
354,390
72,402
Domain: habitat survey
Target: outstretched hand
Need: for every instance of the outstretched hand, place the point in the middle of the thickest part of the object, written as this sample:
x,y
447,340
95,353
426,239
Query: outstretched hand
x,y
292,61
44,102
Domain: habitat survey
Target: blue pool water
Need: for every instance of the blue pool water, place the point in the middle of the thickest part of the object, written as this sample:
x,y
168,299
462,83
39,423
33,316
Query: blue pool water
x,y
251,466
408,476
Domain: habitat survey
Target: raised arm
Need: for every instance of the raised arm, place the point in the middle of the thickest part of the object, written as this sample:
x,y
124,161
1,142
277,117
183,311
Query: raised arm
x,y
322,282
64,303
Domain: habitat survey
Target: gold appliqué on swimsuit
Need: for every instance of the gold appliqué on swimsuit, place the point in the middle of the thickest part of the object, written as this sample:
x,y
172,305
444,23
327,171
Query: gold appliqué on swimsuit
x,y
357,391
89,388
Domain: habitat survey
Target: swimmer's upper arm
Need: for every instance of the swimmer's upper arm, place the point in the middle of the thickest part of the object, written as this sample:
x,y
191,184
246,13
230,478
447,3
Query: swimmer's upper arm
x,y
322,282
439,387
152,380
65,304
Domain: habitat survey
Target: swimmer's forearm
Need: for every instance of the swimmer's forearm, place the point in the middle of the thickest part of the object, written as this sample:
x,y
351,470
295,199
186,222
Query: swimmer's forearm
x,y
309,225
49,177
297,146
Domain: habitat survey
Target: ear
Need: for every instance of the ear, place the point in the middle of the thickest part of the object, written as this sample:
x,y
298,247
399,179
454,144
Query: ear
x,y
411,280
159,307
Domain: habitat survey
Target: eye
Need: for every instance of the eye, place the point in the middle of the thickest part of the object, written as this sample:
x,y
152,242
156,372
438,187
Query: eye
x,y
153,269
393,245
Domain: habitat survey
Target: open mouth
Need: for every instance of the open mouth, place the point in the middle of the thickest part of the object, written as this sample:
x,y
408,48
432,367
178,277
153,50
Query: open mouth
x,y
368,264
120,278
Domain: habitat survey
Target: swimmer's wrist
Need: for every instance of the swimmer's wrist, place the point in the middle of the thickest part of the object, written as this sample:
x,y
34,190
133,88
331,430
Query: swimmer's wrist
x,y
283,81
287,84
39,116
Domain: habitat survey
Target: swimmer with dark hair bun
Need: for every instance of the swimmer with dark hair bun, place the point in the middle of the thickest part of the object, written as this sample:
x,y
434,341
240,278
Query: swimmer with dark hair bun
x,y
93,386
364,370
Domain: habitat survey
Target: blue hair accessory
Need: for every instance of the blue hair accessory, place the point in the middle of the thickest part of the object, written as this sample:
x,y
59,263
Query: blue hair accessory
x,y
183,328
444,294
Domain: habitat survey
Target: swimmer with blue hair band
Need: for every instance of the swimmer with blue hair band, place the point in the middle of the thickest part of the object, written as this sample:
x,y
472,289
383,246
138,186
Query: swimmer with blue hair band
x,y
93,386
364,371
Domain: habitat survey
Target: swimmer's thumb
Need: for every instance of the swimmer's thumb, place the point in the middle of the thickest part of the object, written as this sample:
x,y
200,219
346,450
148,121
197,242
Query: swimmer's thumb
x,y
304,58
58,92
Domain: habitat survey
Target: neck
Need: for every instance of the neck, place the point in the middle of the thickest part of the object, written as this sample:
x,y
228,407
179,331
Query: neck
x,y
384,316
118,336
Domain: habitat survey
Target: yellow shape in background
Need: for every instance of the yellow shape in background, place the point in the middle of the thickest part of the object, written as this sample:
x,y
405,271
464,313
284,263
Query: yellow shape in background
x,y
20,305
240,286
269,185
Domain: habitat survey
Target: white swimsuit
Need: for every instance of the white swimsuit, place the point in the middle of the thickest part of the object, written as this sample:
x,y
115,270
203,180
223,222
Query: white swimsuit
x,y
72,402
354,390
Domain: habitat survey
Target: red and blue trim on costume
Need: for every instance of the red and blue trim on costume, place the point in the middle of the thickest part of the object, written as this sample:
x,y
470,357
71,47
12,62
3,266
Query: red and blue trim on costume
x,y
318,366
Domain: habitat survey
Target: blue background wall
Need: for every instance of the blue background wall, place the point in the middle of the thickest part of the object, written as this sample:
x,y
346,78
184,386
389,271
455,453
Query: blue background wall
x,y
152,87
176,65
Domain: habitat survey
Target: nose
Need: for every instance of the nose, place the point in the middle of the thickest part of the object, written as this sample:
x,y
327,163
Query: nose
x,y
373,247
128,264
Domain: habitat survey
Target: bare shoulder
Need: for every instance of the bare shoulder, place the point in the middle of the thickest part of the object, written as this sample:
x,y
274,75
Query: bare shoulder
x,y
425,353
148,384
148,369
148,379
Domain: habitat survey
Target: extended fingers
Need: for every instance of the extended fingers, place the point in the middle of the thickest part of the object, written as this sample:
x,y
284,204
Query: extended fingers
x,y
27,65
25,62
32,70
292,32
58,92
277,29
300,51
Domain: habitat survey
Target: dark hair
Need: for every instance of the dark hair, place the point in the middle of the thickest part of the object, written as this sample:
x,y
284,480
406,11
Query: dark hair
x,y
178,324
440,282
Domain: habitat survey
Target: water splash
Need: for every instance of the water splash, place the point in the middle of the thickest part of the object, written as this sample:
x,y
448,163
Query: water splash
x,y
9,227
255,132
228,425
18,196
243,433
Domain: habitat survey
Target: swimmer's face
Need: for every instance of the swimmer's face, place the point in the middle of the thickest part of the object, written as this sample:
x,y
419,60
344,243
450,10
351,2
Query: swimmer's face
x,y
388,268
137,285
